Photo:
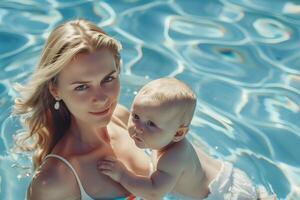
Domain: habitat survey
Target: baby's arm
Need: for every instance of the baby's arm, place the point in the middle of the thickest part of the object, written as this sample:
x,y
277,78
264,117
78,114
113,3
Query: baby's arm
x,y
161,182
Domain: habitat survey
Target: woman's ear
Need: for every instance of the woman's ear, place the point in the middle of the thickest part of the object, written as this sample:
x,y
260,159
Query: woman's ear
x,y
180,133
53,90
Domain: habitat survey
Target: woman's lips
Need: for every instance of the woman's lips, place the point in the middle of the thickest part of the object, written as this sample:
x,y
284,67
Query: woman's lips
x,y
101,112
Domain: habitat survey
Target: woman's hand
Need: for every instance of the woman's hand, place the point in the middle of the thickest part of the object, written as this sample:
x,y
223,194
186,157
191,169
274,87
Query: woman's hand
x,y
112,167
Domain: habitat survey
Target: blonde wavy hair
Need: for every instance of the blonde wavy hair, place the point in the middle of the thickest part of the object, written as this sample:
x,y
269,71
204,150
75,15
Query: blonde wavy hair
x,y
45,125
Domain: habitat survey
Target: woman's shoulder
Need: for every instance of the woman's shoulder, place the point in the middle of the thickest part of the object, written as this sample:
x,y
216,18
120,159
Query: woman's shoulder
x,y
53,180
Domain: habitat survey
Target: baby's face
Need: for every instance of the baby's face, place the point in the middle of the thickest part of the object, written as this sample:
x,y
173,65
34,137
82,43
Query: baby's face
x,y
152,125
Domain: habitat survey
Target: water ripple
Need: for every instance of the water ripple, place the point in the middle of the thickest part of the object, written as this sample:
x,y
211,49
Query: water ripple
x,y
16,43
262,170
286,9
231,63
3,99
278,106
275,30
181,29
154,64
241,58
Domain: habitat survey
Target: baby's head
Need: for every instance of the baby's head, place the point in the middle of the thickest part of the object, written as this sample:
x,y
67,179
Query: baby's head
x,y
161,113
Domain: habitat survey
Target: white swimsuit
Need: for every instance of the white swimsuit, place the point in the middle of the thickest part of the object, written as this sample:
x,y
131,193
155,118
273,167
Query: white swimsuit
x,y
84,195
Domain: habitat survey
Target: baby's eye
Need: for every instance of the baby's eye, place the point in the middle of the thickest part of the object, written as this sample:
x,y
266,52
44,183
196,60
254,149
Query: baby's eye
x,y
151,124
135,116
81,87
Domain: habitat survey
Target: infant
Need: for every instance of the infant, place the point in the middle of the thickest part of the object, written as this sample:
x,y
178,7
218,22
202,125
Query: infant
x,y
159,120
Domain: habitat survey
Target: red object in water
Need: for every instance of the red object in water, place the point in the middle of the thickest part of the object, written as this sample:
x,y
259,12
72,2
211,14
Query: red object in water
x,y
131,197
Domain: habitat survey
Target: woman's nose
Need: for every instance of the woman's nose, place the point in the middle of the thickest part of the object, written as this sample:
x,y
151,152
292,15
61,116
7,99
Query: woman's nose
x,y
99,96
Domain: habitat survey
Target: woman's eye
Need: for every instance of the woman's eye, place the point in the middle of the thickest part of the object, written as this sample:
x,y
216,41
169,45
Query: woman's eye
x,y
150,123
81,87
109,79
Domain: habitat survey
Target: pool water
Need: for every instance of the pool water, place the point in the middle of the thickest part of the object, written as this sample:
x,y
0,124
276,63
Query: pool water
x,y
241,57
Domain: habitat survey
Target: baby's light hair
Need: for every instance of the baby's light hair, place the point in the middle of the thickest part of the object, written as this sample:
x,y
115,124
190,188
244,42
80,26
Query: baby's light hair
x,y
173,92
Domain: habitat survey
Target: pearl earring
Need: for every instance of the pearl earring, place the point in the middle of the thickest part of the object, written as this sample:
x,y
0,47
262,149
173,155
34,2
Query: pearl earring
x,y
56,105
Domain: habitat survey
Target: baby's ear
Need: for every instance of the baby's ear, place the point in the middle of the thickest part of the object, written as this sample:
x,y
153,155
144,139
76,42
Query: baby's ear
x,y
180,133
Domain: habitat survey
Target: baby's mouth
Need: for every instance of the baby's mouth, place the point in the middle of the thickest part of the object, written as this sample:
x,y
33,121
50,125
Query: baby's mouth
x,y
134,136
138,139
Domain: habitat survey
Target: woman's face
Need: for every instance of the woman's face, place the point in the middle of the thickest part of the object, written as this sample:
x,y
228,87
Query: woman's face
x,y
89,86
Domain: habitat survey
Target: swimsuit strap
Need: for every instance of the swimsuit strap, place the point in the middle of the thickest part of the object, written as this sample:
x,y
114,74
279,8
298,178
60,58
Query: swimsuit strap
x,y
84,195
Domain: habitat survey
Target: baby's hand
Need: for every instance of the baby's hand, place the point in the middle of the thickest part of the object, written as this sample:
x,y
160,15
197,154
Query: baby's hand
x,y
112,168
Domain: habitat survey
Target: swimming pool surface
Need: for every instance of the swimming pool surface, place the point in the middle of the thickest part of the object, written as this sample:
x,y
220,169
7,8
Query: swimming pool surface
x,y
241,57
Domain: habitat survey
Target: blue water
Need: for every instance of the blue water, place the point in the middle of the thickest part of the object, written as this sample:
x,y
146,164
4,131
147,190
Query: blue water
x,y
241,57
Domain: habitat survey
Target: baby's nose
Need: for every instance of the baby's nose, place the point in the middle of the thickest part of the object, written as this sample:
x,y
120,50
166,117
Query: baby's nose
x,y
138,130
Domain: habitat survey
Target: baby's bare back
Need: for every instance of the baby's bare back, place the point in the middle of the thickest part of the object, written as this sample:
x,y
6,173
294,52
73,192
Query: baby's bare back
x,y
199,170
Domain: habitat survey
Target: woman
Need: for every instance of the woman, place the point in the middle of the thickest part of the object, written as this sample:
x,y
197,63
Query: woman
x,y
73,117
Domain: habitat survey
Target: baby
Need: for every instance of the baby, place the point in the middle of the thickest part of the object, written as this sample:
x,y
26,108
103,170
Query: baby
x,y
160,117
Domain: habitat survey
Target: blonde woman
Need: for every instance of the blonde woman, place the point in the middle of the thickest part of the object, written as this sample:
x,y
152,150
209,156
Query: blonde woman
x,y
71,111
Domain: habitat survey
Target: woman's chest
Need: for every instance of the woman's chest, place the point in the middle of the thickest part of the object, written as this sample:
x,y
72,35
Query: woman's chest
x,y
128,153
96,184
